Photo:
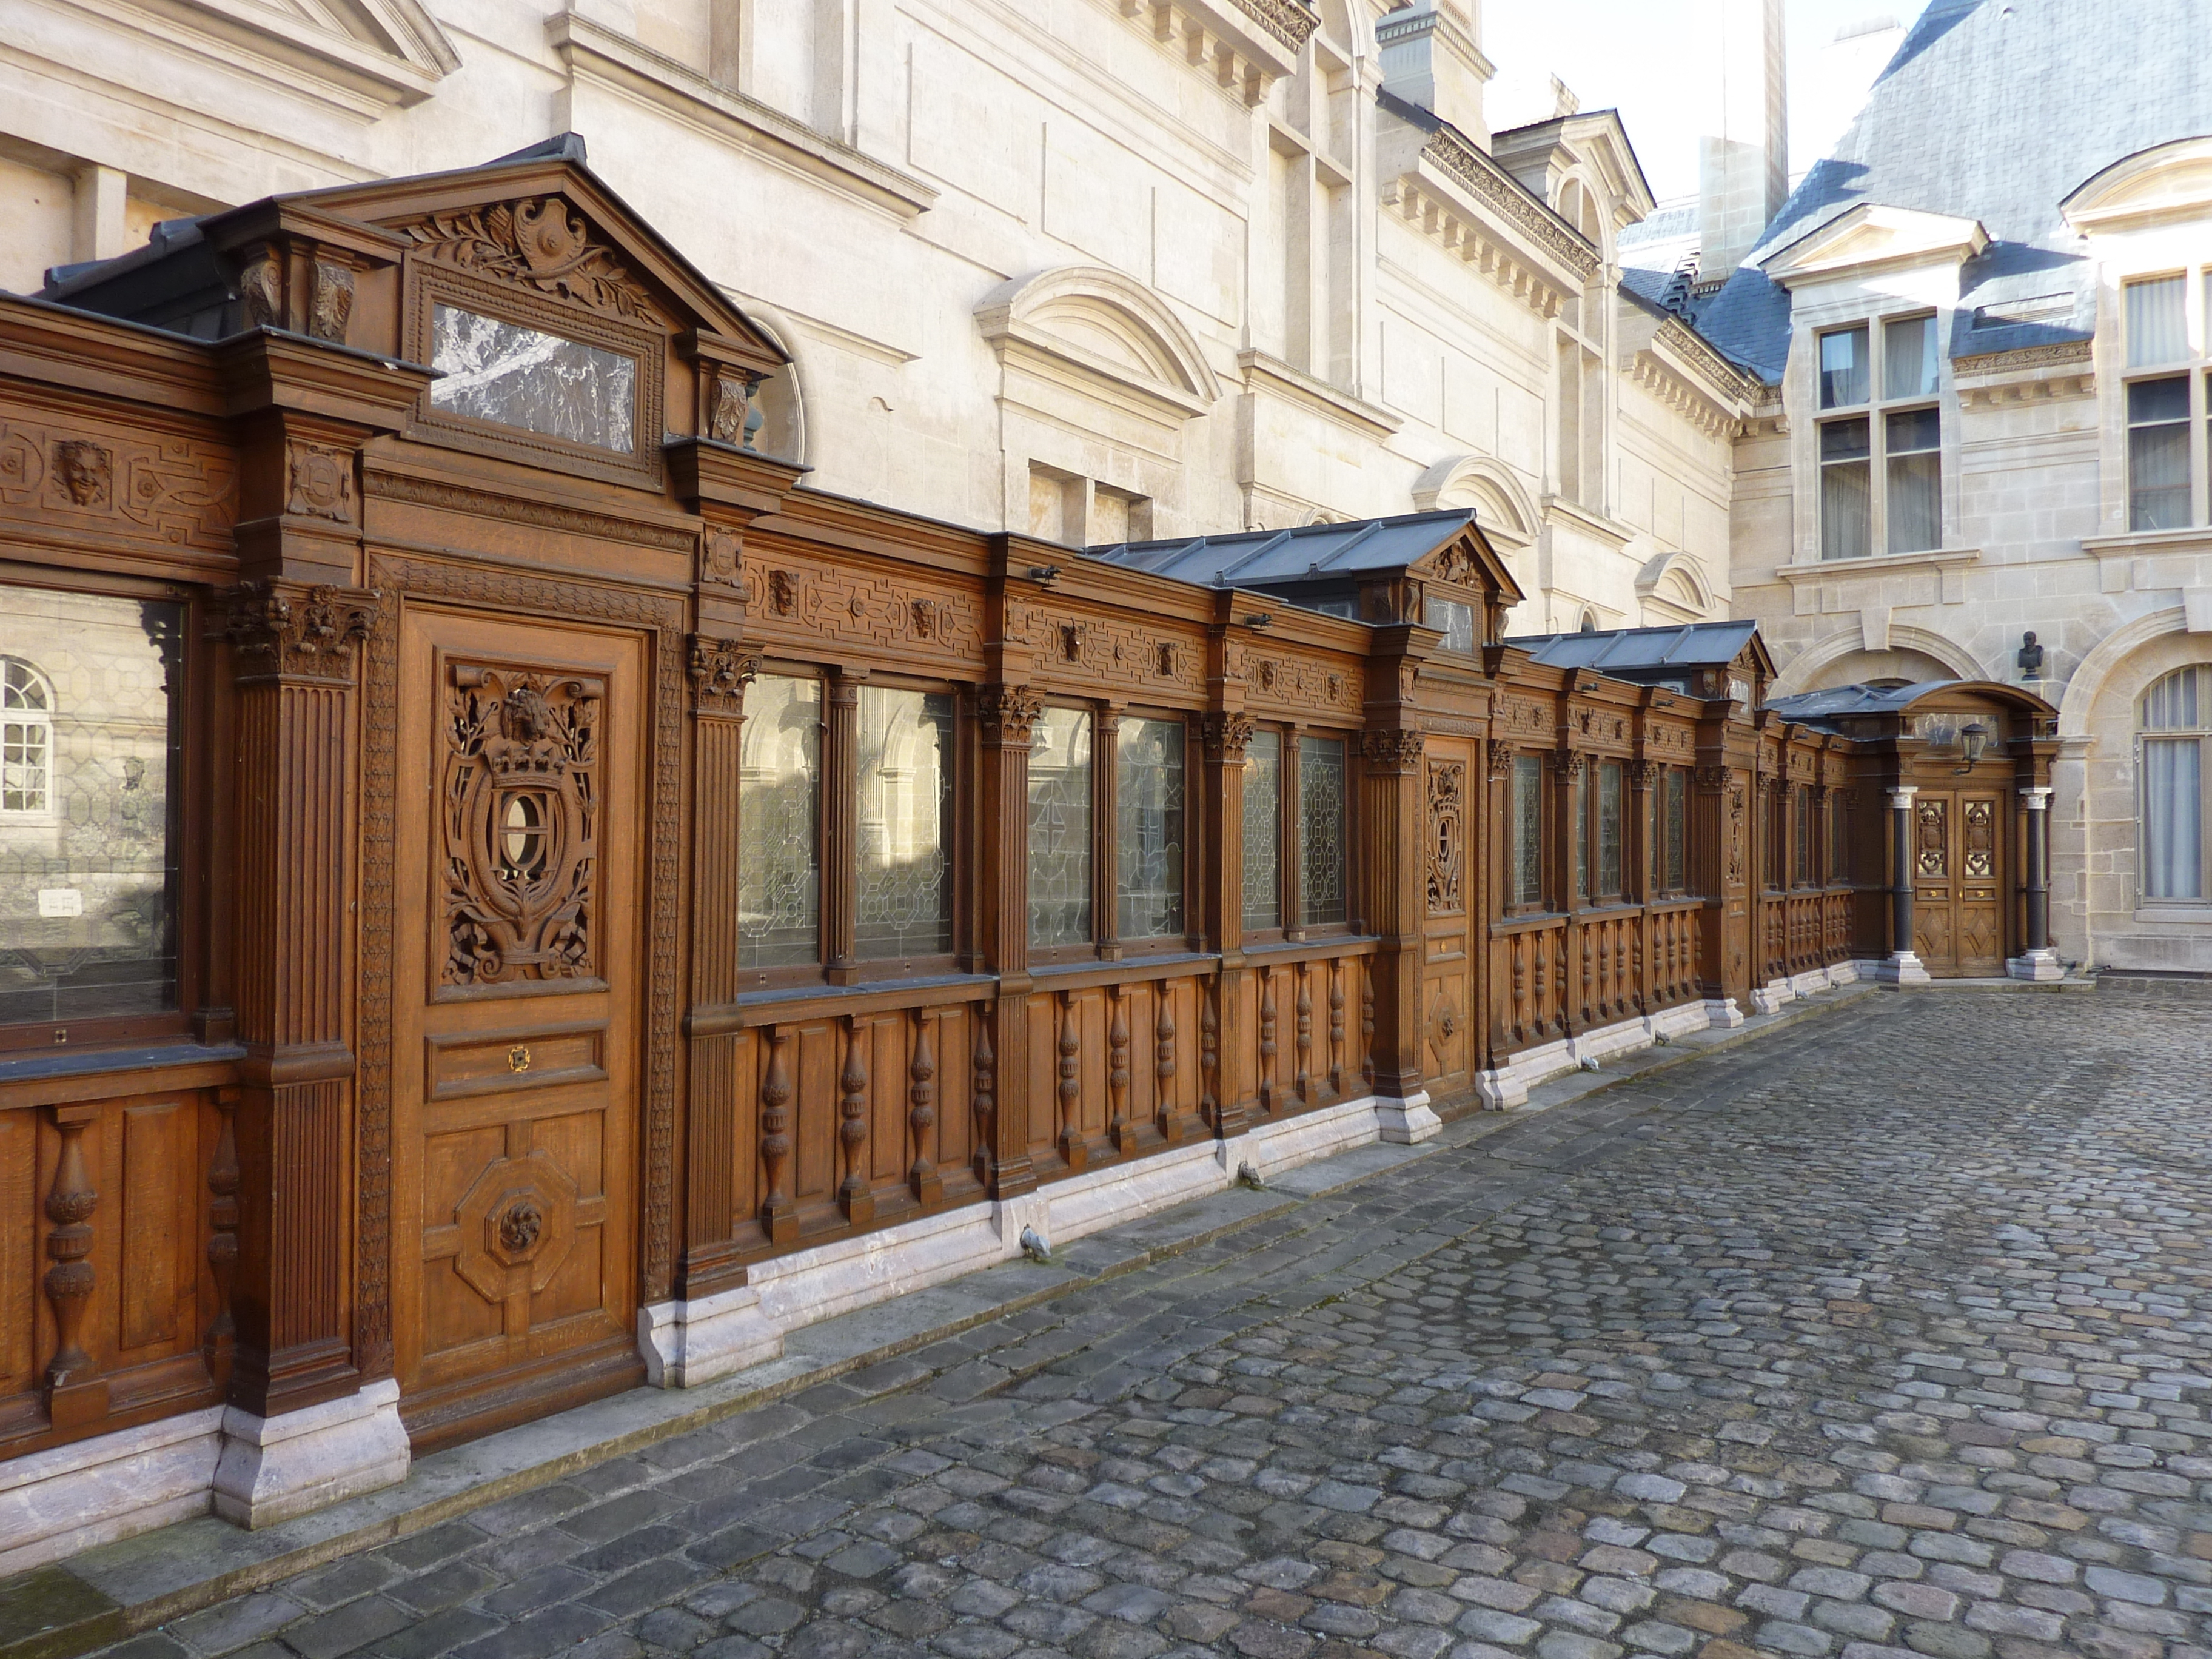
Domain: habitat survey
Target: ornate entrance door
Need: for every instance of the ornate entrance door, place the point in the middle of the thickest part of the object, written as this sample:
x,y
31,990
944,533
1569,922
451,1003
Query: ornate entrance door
x,y
1957,913
515,1023
1451,1039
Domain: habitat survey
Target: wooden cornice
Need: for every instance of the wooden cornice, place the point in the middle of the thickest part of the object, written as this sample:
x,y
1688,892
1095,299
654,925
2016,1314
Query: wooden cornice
x,y
269,368
54,346
702,471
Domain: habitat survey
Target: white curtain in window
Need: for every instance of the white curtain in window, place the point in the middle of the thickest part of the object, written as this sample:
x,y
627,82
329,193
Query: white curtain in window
x,y
2156,331
2172,821
1845,510
1915,503
1908,369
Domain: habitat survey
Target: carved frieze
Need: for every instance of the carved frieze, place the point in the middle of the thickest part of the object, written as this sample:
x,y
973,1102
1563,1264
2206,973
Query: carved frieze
x,y
126,484
538,243
518,805
1297,683
320,481
297,631
842,604
512,508
1447,836
1106,651
721,671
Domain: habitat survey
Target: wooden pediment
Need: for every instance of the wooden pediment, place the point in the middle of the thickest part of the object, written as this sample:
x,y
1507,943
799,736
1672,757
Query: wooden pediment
x,y
1467,559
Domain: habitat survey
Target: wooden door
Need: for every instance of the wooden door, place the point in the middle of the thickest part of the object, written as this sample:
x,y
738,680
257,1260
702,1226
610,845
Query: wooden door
x,y
516,994
1450,1032
1958,915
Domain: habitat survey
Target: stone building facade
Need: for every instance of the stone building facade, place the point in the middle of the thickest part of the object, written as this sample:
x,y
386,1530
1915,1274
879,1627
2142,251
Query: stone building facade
x,y
1981,330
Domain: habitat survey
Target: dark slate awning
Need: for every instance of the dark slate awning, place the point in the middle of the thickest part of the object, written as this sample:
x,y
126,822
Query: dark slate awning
x,y
1253,558
1624,652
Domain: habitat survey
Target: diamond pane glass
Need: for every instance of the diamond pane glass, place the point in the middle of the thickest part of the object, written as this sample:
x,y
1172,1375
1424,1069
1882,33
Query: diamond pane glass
x,y
1528,830
1060,829
1608,829
1263,832
1677,854
1321,852
1148,829
88,742
902,889
779,858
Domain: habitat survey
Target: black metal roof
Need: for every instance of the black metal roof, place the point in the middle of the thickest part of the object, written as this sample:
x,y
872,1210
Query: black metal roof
x,y
1254,558
1623,652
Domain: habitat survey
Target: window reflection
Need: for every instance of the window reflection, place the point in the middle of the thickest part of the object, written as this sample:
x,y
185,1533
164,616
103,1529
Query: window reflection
x,y
1527,872
1322,851
1263,832
87,741
779,858
1060,829
903,887
1148,810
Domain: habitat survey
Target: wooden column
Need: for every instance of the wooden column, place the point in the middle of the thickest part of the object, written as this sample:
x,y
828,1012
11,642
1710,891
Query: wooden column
x,y
841,745
1105,816
295,647
1222,1104
1567,767
713,1232
1391,827
1007,714
1636,852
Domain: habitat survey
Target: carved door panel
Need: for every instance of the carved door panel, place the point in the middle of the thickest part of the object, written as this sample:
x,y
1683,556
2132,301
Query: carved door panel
x,y
516,975
1958,916
1450,1034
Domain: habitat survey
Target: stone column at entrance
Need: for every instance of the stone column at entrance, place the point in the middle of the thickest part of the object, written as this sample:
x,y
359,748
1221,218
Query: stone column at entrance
x,y
2038,961
1903,968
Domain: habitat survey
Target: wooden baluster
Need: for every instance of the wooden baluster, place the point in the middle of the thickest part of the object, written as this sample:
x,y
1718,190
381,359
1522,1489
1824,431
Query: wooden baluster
x,y
1540,947
1336,1030
1559,980
1072,1147
1604,969
1366,1027
1209,1057
779,1216
1304,1010
1520,986
73,1394
1117,1073
1583,949
223,1175
860,1203
1163,1064
1267,1042
928,1186
982,1099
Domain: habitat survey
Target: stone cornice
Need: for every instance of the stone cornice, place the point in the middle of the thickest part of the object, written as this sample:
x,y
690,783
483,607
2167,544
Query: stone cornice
x,y
2150,543
2029,374
1689,377
1489,186
1272,377
1244,45
1878,565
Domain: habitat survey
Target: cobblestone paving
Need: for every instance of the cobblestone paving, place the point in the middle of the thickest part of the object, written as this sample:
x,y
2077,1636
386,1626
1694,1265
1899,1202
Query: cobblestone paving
x,y
1885,1335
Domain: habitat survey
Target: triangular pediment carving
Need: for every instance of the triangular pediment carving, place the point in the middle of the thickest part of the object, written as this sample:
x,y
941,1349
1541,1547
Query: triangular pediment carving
x,y
362,55
539,242
1872,236
1467,559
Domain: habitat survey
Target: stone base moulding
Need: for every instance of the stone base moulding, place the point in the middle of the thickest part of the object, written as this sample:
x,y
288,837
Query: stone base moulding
x,y
275,1467
688,1343
1508,1086
55,1502
1903,968
2036,965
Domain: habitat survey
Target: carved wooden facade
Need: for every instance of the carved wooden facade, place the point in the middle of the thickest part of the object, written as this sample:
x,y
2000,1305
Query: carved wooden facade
x,y
463,1070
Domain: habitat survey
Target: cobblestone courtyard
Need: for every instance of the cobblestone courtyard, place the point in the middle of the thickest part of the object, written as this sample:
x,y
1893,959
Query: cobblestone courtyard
x,y
1885,1335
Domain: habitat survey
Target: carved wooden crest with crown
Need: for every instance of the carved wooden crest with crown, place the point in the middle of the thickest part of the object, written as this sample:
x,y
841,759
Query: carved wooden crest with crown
x,y
537,242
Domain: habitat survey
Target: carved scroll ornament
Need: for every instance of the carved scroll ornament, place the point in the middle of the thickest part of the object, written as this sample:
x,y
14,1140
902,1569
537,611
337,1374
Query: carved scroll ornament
x,y
1447,835
519,808
539,243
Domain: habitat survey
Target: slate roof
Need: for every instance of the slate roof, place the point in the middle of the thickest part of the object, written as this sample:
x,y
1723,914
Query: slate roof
x,y
1626,651
1254,557
1815,707
1993,110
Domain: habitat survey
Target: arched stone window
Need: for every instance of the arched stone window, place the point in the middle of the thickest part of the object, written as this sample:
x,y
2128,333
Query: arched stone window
x,y
27,740
2175,723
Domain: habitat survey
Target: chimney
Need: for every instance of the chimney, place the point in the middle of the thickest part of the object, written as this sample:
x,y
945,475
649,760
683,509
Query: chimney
x,y
1743,153
1432,54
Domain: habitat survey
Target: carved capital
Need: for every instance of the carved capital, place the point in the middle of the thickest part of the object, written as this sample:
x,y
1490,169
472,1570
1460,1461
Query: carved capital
x,y
1642,774
1568,763
1396,750
1712,779
721,671
1501,760
287,630
1228,735
1009,713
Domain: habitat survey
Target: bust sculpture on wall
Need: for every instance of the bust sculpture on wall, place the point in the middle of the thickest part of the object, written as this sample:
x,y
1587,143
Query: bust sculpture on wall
x,y
2031,657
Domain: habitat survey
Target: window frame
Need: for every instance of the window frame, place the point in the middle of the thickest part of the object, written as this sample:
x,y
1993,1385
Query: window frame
x,y
1876,411
1102,900
193,748
41,720
2193,369
1515,906
959,870
1104,814
2201,734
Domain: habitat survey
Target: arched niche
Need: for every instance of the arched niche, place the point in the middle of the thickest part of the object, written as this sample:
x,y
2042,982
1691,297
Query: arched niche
x,y
1501,504
1914,655
1672,589
1087,323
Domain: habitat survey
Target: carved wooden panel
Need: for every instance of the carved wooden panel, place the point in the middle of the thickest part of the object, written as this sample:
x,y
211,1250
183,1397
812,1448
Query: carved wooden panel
x,y
1277,677
1447,839
519,800
798,600
117,482
1932,855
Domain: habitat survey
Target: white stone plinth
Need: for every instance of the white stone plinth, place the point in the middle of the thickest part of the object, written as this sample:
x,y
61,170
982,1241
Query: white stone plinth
x,y
1403,1122
1769,998
2037,965
275,1467
1903,968
55,1502
688,1343
1721,1014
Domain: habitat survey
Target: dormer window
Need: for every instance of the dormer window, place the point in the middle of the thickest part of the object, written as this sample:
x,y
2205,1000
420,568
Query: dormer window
x,y
2166,405
1881,444
498,371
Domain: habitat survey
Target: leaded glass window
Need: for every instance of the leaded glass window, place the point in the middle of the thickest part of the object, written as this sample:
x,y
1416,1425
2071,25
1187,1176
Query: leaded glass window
x,y
1608,829
1527,871
1263,833
1322,851
778,847
1581,834
1060,829
1454,618
1804,836
1678,782
1148,830
88,688
903,888
1839,839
